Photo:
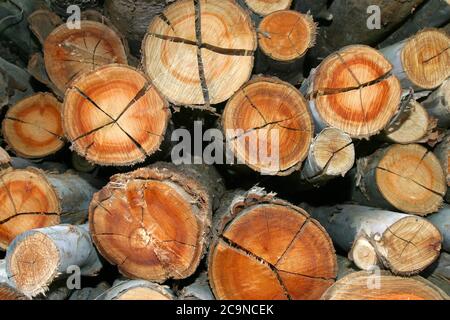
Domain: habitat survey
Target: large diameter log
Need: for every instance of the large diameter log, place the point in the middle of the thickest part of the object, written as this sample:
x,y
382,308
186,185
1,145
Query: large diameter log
x,y
266,248
353,90
72,52
442,151
438,104
37,257
350,23
199,290
384,286
268,126
199,52
433,13
32,127
407,178
332,154
163,213
421,62
30,199
403,243
137,290
115,116
8,293
442,221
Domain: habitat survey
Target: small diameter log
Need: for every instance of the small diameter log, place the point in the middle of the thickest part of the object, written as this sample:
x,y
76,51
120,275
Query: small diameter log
x,y
442,151
36,68
30,199
32,127
284,37
268,249
441,220
268,126
384,286
154,223
438,104
137,290
332,154
353,90
114,116
403,243
407,178
72,52
433,13
37,257
199,52
421,62
9,293
265,7
199,290
412,126
5,159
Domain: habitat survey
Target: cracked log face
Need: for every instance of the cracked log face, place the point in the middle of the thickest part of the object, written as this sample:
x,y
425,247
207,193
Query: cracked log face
x,y
199,52
266,7
114,116
151,223
426,58
27,201
286,35
69,53
9,293
261,111
383,287
32,127
411,179
272,251
354,91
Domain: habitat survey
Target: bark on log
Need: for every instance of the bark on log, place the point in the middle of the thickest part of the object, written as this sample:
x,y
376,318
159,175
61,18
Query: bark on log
x,y
33,199
61,6
15,83
37,257
438,104
266,248
69,53
115,116
350,23
369,286
90,293
433,13
199,290
163,213
32,127
403,243
442,151
421,62
138,290
407,178
332,154
263,111
353,90
442,221
36,68
318,8
9,293
194,59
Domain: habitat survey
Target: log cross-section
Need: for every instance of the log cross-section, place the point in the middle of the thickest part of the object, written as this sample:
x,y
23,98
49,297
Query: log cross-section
x,y
199,52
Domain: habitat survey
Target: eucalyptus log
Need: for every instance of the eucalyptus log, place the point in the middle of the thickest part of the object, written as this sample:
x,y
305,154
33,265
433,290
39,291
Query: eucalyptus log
x,y
61,6
199,290
373,237
90,293
265,7
114,116
353,90
266,248
318,8
442,151
14,83
137,290
36,68
421,61
438,104
442,221
9,293
407,178
42,22
30,199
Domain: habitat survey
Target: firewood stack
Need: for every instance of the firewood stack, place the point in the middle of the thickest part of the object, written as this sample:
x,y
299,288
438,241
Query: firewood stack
x,y
321,163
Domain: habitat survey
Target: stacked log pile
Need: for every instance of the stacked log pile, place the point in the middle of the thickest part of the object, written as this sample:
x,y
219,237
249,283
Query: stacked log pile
x,y
328,168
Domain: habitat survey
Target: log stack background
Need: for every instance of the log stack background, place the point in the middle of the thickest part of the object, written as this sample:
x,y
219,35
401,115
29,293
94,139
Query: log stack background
x,y
85,158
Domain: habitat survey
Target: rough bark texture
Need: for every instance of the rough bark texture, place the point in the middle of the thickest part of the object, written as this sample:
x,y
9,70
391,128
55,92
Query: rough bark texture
x,y
14,83
90,293
61,6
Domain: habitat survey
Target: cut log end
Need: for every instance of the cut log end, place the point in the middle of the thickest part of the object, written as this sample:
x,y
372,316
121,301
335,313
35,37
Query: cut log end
x,y
411,179
274,116
151,223
354,91
426,57
32,127
71,52
138,290
114,116
363,254
27,201
266,7
199,52
10,293
368,286
285,36
272,251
